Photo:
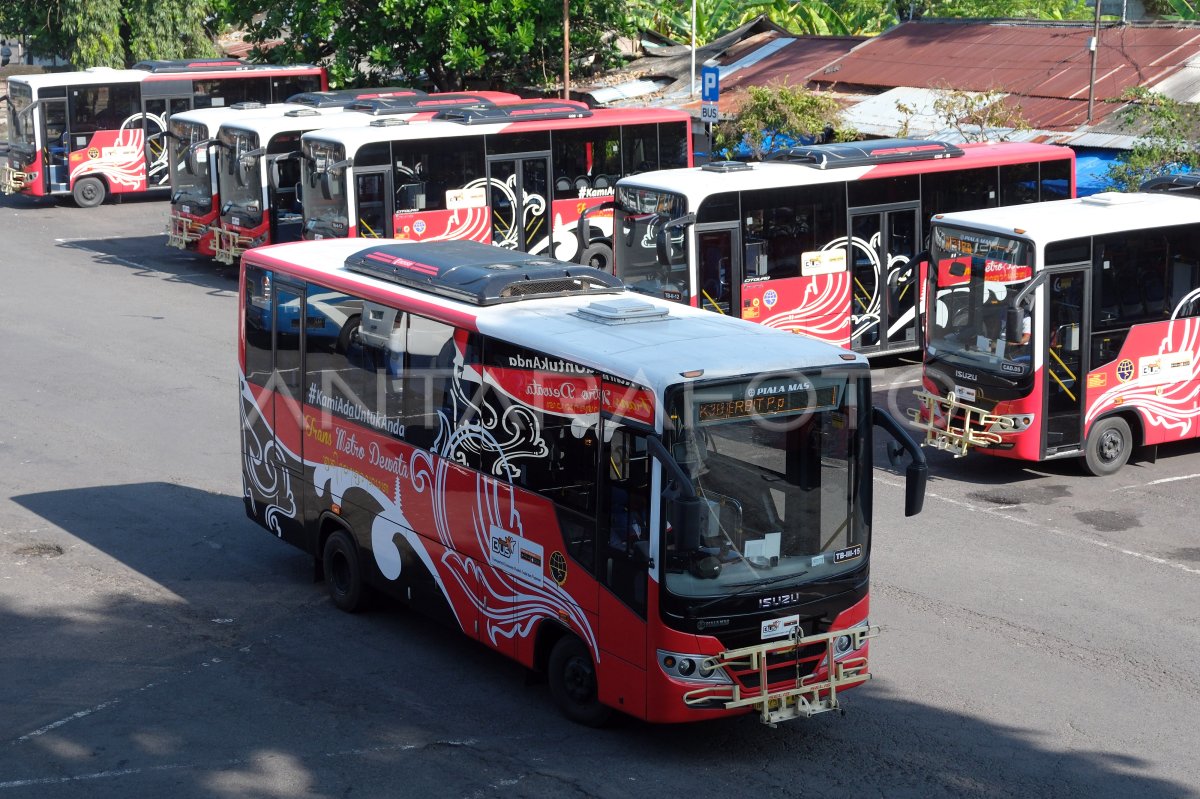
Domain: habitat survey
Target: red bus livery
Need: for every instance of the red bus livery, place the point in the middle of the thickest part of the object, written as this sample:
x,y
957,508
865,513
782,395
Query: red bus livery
x,y
98,132
1065,329
818,240
665,511
533,176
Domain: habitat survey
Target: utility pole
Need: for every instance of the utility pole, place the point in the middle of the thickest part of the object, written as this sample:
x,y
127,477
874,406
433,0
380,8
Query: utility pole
x,y
566,49
1094,46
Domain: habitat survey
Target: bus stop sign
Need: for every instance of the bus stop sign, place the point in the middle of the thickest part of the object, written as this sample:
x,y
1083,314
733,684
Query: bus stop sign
x,y
710,84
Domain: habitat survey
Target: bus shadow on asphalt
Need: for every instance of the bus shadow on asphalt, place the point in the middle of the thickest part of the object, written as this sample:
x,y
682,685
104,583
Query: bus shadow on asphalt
x,y
200,547
149,256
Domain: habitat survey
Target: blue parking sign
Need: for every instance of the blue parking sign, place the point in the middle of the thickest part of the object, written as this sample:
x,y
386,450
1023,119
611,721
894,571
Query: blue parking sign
x,y
710,84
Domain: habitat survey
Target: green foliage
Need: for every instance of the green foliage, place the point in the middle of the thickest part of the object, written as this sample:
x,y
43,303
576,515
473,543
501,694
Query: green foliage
x,y
112,33
791,111
1168,135
975,116
1030,9
448,42
1182,10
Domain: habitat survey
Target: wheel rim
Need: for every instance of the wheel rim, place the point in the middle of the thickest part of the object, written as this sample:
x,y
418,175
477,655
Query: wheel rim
x,y
580,680
1112,443
88,192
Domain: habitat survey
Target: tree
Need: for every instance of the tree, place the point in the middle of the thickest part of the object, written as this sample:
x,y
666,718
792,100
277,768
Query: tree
x,y
111,33
975,116
1168,134
443,42
780,111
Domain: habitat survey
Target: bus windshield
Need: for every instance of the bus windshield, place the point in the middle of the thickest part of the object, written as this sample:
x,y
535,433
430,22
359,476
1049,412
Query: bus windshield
x,y
640,216
976,280
191,177
20,116
240,182
324,185
776,460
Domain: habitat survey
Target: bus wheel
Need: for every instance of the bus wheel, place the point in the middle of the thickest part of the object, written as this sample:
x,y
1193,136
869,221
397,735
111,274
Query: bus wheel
x,y
573,683
598,255
89,192
1108,446
343,573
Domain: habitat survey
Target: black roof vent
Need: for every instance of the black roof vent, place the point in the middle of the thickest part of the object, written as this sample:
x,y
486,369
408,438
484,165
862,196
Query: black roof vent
x,y
866,153
517,112
726,166
381,106
1176,184
336,98
479,274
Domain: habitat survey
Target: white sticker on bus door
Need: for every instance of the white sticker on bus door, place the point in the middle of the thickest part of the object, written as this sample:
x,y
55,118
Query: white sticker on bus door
x,y
475,197
822,262
518,556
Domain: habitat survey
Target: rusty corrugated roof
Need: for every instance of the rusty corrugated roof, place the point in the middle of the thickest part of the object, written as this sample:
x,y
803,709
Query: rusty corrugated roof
x,y
1049,60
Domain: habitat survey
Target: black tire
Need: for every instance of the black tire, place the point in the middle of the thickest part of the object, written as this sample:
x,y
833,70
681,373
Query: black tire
x,y
343,573
599,255
1108,446
573,684
348,334
89,192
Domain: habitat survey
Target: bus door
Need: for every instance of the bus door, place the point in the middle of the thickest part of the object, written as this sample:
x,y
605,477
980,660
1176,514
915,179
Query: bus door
x,y
719,268
156,111
57,143
1064,359
883,288
624,545
289,308
519,198
372,192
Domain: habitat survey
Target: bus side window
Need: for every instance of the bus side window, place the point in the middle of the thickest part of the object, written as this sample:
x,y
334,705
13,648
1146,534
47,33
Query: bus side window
x,y
428,380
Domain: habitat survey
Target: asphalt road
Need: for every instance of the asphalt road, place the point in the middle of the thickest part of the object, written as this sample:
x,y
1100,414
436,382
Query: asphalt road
x,y
1040,626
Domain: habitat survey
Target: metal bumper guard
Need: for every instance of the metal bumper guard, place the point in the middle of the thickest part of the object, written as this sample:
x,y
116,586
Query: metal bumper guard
x,y
12,180
806,696
228,245
964,424
183,232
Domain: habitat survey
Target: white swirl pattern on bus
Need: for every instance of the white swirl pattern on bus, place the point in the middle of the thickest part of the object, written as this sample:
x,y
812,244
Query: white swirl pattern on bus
x,y
263,466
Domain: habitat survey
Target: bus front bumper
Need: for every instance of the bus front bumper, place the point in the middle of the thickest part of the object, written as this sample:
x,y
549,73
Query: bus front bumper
x,y
757,685
12,180
228,245
184,232
954,426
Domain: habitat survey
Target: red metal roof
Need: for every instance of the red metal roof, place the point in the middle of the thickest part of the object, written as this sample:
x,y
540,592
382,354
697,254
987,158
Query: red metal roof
x,y
1036,60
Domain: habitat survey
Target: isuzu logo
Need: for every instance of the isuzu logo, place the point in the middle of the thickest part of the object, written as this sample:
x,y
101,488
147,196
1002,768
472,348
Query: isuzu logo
x,y
961,375
769,602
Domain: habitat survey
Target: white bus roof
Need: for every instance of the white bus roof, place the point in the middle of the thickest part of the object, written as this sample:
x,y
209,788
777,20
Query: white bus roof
x,y
213,118
652,353
85,77
274,124
1087,216
696,183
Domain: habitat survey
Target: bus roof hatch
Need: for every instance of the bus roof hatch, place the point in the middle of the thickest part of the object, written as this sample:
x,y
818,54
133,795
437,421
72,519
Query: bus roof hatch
x,y
343,97
866,153
382,106
479,274
517,112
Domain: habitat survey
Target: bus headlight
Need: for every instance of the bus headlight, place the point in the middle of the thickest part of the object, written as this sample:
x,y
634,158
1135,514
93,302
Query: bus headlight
x,y
843,645
691,667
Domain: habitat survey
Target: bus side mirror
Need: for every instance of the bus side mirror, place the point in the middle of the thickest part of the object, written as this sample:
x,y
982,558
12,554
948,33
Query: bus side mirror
x,y
273,174
686,518
917,472
662,247
1013,323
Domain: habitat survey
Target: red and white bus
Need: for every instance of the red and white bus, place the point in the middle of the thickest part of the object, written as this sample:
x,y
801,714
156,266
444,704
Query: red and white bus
x,y
192,155
819,240
1064,329
666,511
527,176
257,184
92,133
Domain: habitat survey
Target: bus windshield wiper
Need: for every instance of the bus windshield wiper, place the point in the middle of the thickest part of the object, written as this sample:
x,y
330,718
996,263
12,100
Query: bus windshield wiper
x,y
746,587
